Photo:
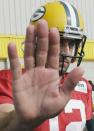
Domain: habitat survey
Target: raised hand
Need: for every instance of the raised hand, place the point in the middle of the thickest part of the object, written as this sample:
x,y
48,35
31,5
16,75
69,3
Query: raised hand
x,y
38,93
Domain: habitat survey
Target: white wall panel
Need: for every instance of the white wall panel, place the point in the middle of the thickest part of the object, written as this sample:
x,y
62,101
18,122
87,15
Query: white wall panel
x,y
6,16
1,17
12,17
15,15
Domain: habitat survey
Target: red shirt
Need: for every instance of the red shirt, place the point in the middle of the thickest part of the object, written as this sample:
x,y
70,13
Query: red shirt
x,y
74,116
5,86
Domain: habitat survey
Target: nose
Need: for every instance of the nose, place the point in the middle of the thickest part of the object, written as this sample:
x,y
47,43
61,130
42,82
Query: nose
x,y
65,48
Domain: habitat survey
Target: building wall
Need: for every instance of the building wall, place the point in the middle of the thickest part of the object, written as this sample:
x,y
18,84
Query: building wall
x,y
15,15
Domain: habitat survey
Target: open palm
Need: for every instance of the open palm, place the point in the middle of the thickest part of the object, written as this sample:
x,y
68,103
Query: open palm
x,y
37,92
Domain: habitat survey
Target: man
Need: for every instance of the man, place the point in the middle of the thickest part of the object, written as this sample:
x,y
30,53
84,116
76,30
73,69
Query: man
x,y
72,41
42,92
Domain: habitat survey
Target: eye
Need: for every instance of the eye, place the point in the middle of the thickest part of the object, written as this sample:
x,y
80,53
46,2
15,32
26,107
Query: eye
x,y
72,44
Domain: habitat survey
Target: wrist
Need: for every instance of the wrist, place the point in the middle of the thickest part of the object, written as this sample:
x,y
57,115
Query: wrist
x,y
19,124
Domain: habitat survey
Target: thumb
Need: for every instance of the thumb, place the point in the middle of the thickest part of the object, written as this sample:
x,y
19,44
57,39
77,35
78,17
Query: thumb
x,y
72,79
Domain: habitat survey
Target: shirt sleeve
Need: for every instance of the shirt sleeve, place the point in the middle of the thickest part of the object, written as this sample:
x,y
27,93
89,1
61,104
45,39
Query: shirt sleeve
x,y
89,102
6,87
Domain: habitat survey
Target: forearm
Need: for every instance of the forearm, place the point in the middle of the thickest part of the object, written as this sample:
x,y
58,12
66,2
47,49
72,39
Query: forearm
x,y
5,119
14,124
9,122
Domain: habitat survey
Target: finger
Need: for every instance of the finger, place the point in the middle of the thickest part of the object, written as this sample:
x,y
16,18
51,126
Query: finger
x,y
29,47
54,49
42,45
71,81
14,61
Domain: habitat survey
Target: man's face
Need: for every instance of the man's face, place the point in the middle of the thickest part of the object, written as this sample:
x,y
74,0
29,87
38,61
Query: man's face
x,y
67,47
